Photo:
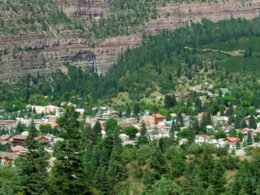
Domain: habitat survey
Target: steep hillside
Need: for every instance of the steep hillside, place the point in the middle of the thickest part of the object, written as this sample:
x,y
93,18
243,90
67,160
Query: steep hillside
x,y
174,61
222,54
40,36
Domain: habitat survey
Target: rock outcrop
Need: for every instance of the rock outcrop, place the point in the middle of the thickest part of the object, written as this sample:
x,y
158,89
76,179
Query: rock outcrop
x,y
44,53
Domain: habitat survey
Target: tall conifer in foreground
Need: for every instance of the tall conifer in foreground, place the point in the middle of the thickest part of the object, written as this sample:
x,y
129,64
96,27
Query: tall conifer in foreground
x,y
67,176
32,167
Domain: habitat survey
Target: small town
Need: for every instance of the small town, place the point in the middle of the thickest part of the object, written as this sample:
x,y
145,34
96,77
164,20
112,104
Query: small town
x,y
219,131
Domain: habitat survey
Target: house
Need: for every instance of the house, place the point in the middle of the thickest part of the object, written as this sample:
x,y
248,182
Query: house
x,y
129,142
39,122
219,143
183,141
45,109
90,121
123,137
180,96
24,121
155,119
219,120
52,120
127,122
209,128
186,119
201,139
18,139
8,124
18,149
244,131
49,120
80,111
8,159
206,86
4,139
158,118
232,142
42,139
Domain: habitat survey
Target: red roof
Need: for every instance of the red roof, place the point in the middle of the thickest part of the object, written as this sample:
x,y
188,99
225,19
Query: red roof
x,y
156,115
232,139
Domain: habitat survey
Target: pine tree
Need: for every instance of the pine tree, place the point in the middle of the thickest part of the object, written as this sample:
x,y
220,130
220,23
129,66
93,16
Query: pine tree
x,y
32,167
101,180
208,119
195,126
179,70
116,170
89,137
231,119
97,128
67,176
128,111
169,101
180,119
143,129
136,109
191,136
237,123
142,139
218,179
198,105
249,139
172,132
252,122
243,124
205,167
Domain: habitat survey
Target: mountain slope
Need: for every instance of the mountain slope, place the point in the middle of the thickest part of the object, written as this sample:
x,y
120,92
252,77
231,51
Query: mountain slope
x,y
40,36
171,62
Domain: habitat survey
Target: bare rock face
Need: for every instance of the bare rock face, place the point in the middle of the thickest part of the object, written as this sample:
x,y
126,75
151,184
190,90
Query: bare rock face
x,y
45,53
33,53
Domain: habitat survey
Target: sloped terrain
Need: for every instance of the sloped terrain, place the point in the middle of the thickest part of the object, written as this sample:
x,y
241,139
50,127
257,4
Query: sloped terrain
x,y
40,36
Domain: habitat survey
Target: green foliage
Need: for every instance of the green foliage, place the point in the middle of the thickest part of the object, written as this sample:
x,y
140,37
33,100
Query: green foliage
x,y
247,178
136,72
130,131
46,129
32,167
68,168
37,99
125,17
169,101
252,122
112,126
33,16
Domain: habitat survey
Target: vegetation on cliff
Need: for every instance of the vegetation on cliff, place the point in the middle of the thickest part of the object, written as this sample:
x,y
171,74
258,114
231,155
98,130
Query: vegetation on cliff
x,y
168,62
31,16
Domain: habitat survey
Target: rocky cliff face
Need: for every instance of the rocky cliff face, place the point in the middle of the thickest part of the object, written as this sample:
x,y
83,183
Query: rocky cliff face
x,y
172,17
46,52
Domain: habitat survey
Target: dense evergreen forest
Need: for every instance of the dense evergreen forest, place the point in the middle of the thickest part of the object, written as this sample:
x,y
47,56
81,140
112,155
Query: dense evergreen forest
x,y
86,163
126,17
35,16
164,63
177,53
